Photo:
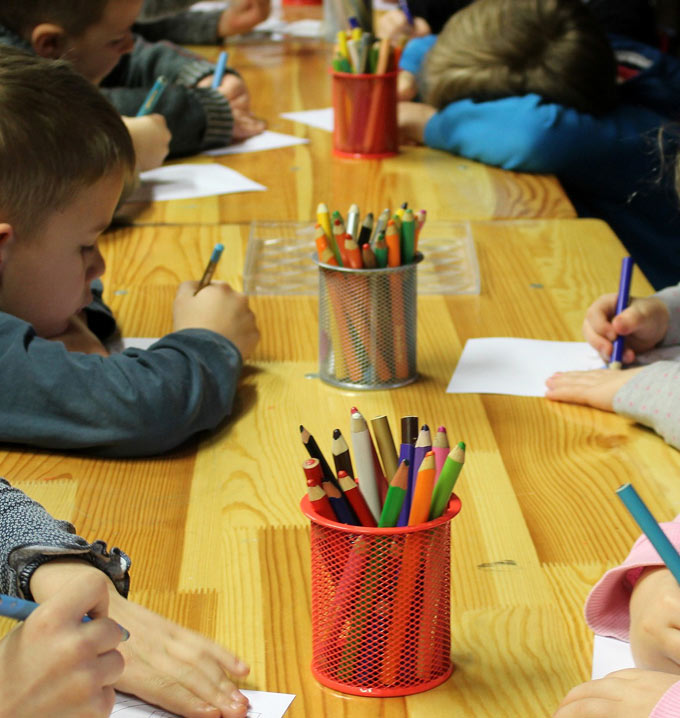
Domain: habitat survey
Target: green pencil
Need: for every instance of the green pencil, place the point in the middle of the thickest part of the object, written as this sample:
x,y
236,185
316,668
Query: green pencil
x,y
380,250
447,480
395,497
408,237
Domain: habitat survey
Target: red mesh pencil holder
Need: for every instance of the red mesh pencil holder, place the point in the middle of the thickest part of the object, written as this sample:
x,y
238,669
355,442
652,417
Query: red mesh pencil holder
x,y
365,115
381,603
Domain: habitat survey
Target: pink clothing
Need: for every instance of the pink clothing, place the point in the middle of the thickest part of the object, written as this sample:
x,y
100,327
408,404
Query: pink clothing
x,y
608,603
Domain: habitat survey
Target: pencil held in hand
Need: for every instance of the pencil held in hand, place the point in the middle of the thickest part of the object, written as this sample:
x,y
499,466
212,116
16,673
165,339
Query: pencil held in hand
x,y
210,269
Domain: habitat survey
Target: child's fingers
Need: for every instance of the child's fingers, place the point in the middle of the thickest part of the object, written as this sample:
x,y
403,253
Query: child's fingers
x,y
599,314
195,649
110,667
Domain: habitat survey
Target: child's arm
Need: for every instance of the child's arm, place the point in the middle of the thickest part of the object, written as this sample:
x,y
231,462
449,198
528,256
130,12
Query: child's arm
x,y
151,139
412,118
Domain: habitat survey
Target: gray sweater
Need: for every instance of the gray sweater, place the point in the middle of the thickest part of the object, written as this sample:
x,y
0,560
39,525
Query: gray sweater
x,y
652,397
165,20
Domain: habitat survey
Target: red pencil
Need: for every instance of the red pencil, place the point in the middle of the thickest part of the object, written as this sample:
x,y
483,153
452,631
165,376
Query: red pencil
x,y
356,499
313,472
320,503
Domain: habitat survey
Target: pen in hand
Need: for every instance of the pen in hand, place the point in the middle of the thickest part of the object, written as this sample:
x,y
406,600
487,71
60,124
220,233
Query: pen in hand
x,y
154,95
210,269
621,304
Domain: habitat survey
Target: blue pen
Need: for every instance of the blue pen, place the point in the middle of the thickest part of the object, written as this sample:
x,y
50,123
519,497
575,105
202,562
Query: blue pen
x,y
210,269
154,95
621,304
651,528
403,6
219,69
20,609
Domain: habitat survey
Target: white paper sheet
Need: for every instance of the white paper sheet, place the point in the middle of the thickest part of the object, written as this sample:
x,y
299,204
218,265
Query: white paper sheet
x,y
610,654
209,6
191,180
262,705
321,119
265,141
503,365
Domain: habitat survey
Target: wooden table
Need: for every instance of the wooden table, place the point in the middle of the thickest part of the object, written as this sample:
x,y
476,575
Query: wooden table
x,y
292,76
214,529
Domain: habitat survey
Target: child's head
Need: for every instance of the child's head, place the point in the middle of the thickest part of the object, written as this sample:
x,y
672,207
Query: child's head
x,y
64,154
499,48
91,34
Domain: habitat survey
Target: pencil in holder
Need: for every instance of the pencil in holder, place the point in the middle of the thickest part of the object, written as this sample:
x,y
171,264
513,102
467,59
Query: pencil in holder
x,y
381,605
365,115
368,326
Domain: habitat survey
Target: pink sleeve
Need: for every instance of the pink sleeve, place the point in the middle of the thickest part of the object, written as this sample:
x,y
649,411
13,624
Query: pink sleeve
x,y
607,604
669,703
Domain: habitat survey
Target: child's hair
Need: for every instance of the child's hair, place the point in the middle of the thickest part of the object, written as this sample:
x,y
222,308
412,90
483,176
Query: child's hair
x,y
58,135
74,16
498,48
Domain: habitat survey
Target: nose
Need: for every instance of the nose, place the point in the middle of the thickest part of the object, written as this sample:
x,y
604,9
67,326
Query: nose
x,y
128,44
97,265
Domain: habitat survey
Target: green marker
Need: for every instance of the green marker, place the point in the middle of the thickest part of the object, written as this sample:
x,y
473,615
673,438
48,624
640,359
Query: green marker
x,y
447,480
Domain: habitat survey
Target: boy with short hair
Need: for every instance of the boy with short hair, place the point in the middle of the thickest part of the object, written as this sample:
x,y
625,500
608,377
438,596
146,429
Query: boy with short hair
x,y
65,154
95,37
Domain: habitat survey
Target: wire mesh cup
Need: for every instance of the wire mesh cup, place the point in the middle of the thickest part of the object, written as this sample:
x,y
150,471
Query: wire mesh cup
x,y
367,326
365,115
381,604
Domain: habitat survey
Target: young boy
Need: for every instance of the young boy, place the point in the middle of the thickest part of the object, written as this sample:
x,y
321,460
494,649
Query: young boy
x,y
65,154
533,97
95,37
55,665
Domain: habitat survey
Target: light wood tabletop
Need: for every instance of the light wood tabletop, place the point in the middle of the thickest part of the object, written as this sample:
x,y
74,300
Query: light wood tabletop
x,y
292,76
214,529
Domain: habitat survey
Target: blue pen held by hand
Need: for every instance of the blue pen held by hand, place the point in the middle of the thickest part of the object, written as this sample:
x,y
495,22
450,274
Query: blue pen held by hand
x,y
154,95
20,609
651,528
621,304
403,6
219,69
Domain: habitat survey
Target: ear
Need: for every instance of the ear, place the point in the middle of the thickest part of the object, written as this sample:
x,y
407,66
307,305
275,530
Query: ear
x,y
49,40
7,237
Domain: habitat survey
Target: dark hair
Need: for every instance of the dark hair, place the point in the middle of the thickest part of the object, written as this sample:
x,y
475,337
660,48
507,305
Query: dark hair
x,y
74,16
498,48
58,135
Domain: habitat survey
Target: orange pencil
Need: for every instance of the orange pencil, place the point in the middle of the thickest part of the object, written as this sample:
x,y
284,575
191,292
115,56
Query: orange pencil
x,y
422,493
353,253
357,501
339,237
325,253
393,244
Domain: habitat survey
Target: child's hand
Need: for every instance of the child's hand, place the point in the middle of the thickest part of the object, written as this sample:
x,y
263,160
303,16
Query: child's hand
x,y
232,88
594,388
79,338
165,664
631,693
412,118
394,26
54,664
151,139
407,87
219,308
246,125
242,16
654,611
644,324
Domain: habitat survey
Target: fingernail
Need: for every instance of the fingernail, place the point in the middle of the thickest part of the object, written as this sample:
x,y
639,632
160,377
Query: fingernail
x,y
237,696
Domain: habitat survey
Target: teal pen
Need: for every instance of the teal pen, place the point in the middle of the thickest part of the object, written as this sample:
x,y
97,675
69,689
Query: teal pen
x,y
20,609
210,269
644,519
219,69
154,95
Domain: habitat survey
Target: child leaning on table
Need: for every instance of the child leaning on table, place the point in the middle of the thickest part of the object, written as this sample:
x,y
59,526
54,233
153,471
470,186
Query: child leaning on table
x,y
54,665
639,602
65,154
95,36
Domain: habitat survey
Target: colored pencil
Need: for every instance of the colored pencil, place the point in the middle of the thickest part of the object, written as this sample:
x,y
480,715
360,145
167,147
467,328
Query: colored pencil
x,y
393,244
320,503
440,446
380,250
151,100
210,269
315,452
356,500
219,69
323,249
447,480
403,6
365,230
353,253
422,491
408,235
353,221
395,497
621,304
341,455
341,508
368,257
339,241
422,446
313,472
363,458
386,449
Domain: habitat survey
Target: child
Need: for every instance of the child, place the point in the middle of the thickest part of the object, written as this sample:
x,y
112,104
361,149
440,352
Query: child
x,y
637,601
537,95
95,36
65,154
54,665
162,20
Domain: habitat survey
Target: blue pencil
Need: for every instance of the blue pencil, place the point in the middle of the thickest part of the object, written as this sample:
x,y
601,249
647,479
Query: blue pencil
x,y
403,6
621,304
154,95
20,609
219,69
651,528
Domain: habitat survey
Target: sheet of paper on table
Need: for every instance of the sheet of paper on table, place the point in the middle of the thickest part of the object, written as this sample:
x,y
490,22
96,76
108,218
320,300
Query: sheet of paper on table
x,y
262,705
321,119
610,654
264,141
186,181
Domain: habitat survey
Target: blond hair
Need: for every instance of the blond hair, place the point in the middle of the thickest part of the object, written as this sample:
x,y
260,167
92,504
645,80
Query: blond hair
x,y
58,135
499,48
74,16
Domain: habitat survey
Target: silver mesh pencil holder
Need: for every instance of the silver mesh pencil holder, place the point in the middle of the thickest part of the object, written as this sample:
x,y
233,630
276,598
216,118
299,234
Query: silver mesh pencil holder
x,y
367,326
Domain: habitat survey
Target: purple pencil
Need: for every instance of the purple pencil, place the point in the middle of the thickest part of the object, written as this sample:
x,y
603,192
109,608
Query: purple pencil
x,y
423,445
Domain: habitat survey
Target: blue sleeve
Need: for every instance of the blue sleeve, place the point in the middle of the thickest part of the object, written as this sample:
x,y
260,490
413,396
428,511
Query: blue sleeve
x,y
415,52
137,403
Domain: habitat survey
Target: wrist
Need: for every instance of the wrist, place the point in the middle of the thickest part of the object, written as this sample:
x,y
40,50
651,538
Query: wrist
x,y
49,576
